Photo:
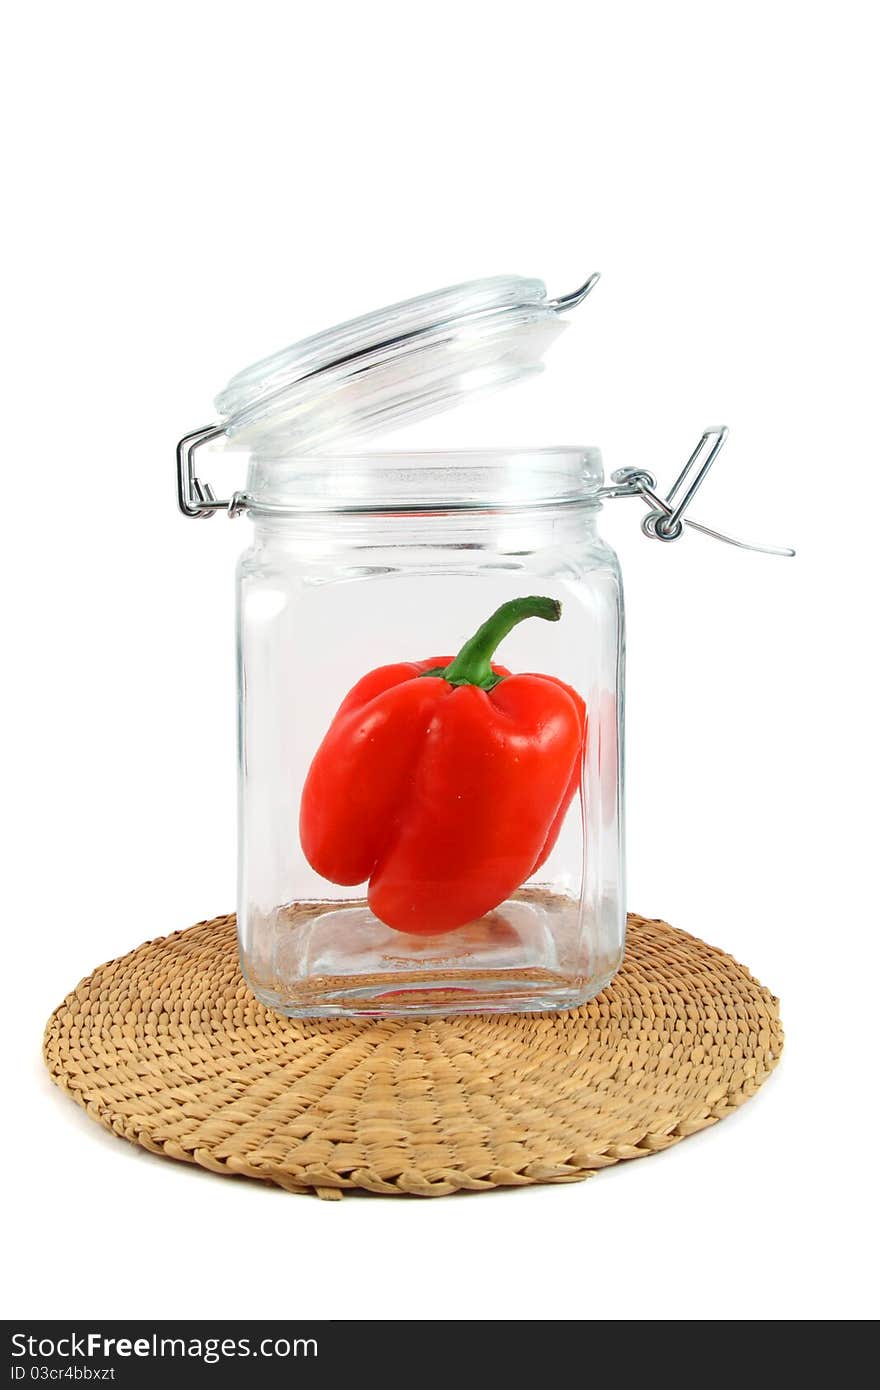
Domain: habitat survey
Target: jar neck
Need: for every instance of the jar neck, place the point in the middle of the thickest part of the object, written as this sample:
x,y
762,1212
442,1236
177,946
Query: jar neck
x,y
426,483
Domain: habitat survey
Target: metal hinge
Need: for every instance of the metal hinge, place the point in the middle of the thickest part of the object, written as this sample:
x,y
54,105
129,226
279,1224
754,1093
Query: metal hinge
x,y
195,498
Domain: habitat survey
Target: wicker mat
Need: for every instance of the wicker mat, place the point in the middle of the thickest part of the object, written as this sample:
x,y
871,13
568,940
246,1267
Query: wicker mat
x,y
167,1047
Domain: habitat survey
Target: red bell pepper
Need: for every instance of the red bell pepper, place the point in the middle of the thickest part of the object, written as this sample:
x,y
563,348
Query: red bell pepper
x,y
445,782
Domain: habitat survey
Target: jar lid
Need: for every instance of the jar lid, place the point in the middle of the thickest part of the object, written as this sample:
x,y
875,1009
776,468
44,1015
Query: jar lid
x,y
395,365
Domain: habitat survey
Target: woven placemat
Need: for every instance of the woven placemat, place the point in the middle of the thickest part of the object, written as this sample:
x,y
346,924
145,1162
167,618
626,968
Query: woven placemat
x,y
167,1047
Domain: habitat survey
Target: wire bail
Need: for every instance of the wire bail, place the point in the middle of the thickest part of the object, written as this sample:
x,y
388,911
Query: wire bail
x,y
666,520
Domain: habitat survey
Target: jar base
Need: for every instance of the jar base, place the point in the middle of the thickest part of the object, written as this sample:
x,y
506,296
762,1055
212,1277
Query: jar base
x,y
332,960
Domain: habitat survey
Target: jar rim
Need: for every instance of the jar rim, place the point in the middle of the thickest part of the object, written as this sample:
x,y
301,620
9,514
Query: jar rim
x,y
425,480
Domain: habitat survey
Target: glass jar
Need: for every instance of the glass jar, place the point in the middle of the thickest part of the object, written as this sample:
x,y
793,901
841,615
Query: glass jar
x,y
430,654
455,848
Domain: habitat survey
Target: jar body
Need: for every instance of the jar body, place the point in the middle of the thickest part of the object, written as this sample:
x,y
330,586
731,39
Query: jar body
x,y
322,600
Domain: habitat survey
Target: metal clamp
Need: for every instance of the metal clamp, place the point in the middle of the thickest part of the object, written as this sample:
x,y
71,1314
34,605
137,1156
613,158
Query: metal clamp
x,y
666,519
195,498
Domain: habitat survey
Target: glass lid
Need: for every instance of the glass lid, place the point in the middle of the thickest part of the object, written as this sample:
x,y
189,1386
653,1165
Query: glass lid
x,y
393,366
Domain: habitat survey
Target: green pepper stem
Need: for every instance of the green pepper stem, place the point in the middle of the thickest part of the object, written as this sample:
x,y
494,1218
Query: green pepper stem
x,y
473,665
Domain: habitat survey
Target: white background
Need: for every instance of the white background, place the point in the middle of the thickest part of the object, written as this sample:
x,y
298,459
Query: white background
x,y
191,185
